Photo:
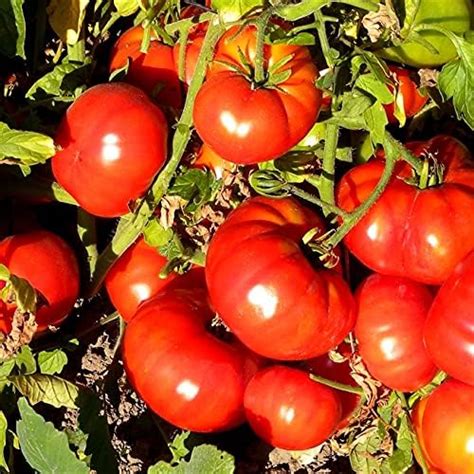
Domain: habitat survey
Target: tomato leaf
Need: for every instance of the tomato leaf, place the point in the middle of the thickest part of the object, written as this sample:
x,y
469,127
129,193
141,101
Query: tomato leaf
x,y
126,7
232,10
66,18
12,28
45,448
24,148
456,80
371,84
3,441
25,361
363,456
52,362
376,120
49,389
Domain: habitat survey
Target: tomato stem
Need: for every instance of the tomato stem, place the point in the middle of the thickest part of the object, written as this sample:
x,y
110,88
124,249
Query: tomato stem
x,y
326,186
403,153
337,385
323,38
86,228
262,23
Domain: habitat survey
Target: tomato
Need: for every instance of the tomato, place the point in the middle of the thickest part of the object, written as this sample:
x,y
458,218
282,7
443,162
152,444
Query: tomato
x,y
185,374
417,233
264,288
109,159
453,15
406,93
153,72
389,327
449,329
290,411
207,158
338,372
448,427
245,122
134,278
48,263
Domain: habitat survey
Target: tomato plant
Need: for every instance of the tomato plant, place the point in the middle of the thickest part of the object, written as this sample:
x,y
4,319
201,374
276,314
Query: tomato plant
x,y
275,290
449,329
48,263
290,411
235,115
184,373
108,160
413,232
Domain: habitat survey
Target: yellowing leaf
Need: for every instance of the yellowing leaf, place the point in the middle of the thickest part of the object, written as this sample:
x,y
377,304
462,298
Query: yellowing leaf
x,y
66,17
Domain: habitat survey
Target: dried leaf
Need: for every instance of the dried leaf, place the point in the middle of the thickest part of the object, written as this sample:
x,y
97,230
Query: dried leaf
x,y
381,21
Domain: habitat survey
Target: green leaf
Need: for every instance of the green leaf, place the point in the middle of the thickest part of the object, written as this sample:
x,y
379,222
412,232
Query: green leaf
x,y
204,459
232,10
66,18
64,83
363,457
24,148
156,235
456,80
45,448
371,83
12,28
126,7
25,361
49,389
52,362
177,446
3,440
376,120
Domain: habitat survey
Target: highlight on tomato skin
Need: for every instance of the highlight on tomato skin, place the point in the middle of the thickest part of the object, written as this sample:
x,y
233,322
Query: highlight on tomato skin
x,y
49,264
290,411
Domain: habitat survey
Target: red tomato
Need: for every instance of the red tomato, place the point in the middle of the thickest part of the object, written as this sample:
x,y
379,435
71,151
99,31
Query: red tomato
x,y
185,374
449,329
338,372
417,233
134,278
248,123
290,411
113,142
207,158
389,327
448,427
153,72
406,93
264,288
50,266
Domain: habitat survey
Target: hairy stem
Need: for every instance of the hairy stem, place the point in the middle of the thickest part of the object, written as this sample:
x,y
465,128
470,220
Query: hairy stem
x,y
326,183
337,385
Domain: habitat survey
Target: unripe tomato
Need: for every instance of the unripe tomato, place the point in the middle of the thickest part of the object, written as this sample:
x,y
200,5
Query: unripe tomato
x,y
290,411
48,263
134,278
184,373
449,328
264,288
391,314
448,427
153,72
245,122
113,141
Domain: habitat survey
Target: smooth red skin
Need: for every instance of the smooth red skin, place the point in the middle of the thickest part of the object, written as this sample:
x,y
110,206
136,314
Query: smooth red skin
x,y
244,124
167,347
264,288
134,278
208,159
152,71
275,393
85,167
391,313
449,328
338,372
413,100
448,427
48,263
419,234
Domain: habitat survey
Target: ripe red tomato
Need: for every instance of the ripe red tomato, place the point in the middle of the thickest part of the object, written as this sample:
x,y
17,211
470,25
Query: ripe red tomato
x,y
134,278
185,374
417,233
290,411
245,122
390,319
338,372
448,427
153,72
113,142
449,329
264,288
406,93
50,266
207,158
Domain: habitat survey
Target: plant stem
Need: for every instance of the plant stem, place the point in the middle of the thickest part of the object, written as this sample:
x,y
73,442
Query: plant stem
x,y
86,228
404,154
337,385
326,183
323,38
131,226
262,23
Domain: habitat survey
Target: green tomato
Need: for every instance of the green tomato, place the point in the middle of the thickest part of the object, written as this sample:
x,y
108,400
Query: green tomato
x,y
454,15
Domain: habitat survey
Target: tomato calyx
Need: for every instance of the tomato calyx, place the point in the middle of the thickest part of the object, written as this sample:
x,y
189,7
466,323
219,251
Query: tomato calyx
x,y
321,247
431,174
